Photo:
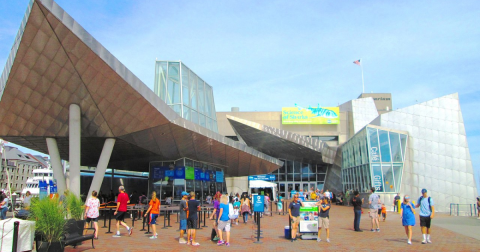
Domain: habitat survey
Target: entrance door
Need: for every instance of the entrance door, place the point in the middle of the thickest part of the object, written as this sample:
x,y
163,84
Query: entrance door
x,y
282,191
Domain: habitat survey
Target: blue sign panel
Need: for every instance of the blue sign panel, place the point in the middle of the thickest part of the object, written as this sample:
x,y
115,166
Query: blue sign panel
x,y
170,173
180,172
219,176
43,185
268,177
158,173
258,203
207,175
197,173
202,175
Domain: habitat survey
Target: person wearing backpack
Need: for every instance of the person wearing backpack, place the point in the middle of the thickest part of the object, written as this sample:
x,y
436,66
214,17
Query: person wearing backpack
x,y
427,212
224,221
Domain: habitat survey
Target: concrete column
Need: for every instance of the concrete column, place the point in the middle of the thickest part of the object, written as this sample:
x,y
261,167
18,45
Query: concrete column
x,y
74,134
56,165
101,166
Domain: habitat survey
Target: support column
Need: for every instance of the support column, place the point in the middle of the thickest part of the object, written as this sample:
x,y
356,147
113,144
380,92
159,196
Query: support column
x,y
56,165
74,134
101,166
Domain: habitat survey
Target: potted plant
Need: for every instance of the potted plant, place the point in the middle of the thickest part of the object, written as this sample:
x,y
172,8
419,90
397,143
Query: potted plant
x,y
49,217
75,209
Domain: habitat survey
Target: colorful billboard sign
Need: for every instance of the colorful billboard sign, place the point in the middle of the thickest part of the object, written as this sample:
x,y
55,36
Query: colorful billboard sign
x,y
189,172
310,115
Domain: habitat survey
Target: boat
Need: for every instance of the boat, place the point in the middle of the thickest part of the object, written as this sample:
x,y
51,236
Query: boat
x,y
32,182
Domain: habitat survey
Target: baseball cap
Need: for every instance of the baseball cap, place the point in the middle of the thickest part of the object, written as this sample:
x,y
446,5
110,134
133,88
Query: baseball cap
x,y
184,193
424,190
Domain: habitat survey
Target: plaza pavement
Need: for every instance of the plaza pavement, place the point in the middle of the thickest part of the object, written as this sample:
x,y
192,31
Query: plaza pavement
x,y
391,238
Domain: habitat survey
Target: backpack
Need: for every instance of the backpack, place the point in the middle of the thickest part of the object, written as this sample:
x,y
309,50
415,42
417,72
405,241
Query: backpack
x,y
231,213
420,202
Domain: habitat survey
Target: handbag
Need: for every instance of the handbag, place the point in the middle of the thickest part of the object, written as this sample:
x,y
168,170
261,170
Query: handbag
x,y
231,213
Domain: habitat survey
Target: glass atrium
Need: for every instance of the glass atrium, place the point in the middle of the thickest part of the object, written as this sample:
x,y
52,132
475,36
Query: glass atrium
x,y
374,154
186,93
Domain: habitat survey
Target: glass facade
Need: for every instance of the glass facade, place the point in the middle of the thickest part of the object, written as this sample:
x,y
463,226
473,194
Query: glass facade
x,y
374,157
186,93
295,175
194,181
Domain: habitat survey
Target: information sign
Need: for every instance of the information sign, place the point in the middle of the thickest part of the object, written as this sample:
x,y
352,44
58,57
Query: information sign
x,y
258,203
309,217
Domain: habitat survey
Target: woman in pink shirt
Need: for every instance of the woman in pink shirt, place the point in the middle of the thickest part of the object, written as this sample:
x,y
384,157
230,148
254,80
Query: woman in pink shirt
x,y
91,212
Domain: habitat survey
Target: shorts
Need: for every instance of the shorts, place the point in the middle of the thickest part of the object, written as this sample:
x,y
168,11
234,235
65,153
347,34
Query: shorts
x,y
183,224
224,225
153,219
296,220
425,221
379,211
323,222
120,216
373,213
191,223
88,219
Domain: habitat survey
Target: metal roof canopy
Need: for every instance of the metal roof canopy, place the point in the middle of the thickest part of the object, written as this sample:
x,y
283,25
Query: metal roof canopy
x,y
54,62
281,143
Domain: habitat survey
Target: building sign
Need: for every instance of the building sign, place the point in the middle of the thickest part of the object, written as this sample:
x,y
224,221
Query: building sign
x,y
268,177
219,176
198,171
189,172
377,178
374,154
158,173
180,172
318,115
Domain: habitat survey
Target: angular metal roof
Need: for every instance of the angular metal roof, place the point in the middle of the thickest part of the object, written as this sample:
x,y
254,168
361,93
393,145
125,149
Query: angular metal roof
x,y
281,143
54,62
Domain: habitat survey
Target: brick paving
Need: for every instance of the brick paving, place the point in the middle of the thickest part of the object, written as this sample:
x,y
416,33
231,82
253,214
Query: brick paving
x,y
391,238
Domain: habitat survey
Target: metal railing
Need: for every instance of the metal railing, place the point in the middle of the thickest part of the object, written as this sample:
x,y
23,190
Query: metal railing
x,y
463,209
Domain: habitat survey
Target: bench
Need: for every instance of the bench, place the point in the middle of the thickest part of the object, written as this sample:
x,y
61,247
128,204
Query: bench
x,y
72,235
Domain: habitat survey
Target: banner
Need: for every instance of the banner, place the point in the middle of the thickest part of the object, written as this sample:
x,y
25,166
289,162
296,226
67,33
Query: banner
x,y
207,175
169,174
202,175
268,177
318,115
198,171
189,172
219,176
180,172
158,173
309,217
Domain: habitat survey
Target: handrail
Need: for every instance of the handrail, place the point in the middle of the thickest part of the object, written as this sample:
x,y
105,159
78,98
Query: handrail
x,y
471,207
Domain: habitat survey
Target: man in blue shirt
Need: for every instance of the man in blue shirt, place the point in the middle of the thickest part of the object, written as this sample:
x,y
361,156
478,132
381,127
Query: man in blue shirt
x,y
294,212
427,212
374,205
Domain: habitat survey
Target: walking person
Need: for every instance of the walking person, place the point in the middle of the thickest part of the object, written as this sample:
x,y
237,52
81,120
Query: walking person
x,y
427,212
357,209
374,201
92,212
216,211
192,218
3,205
183,217
478,207
154,210
224,221
324,218
236,209
280,204
120,211
395,202
407,213
245,208
294,213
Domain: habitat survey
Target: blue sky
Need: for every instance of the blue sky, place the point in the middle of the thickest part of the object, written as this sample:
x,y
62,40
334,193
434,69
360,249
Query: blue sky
x,y
299,51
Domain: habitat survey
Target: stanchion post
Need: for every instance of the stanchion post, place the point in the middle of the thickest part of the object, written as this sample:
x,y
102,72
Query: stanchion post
x,y
168,216
204,218
104,218
143,225
271,209
15,234
164,221
109,220
148,226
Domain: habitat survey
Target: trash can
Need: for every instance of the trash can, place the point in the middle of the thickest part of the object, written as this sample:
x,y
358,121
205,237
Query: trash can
x,y
288,234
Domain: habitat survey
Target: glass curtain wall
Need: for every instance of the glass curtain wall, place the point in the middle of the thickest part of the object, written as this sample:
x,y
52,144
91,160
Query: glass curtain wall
x,y
186,93
374,157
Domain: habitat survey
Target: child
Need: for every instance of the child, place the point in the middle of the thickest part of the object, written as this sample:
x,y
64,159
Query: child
x,y
154,210
384,212
236,209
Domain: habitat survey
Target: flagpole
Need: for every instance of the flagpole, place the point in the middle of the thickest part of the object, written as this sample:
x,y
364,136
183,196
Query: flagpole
x,y
363,83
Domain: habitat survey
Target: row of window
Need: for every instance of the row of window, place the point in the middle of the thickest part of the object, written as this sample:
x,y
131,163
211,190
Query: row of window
x,y
13,186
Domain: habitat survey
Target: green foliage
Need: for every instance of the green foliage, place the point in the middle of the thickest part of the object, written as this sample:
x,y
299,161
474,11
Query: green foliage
x,y
49,217
75,206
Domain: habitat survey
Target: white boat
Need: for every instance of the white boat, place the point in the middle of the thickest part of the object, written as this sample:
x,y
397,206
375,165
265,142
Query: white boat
x,y
32,182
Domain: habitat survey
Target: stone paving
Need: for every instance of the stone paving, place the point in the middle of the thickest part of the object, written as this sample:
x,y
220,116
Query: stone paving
x,y
391,238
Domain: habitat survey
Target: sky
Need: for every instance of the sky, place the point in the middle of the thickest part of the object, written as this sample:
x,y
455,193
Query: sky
x,y
265,55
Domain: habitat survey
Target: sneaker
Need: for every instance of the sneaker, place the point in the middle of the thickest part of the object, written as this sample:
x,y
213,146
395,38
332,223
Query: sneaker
x,y
373,230
195,244
328,240
220,243
227,244
116,236
182,241
429,241
319,240
130,231
378,229
216,238
424,242
409,242
153,237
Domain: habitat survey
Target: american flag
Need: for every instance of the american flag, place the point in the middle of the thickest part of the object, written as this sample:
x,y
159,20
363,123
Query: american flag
x,y
357,62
